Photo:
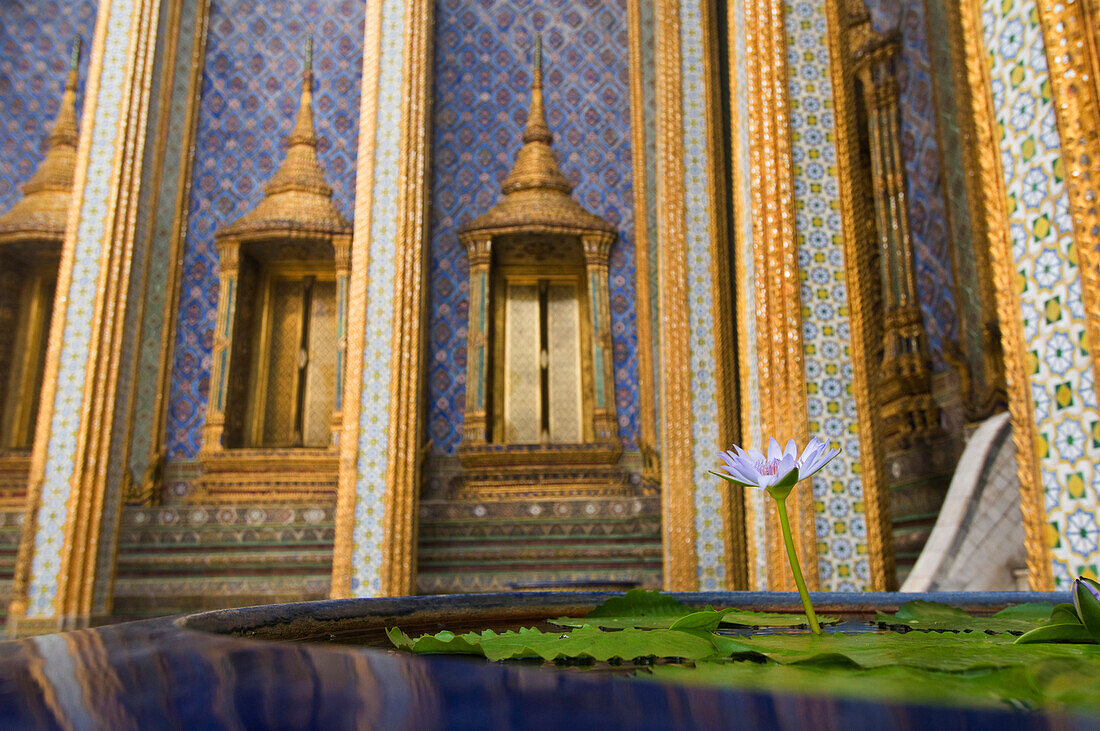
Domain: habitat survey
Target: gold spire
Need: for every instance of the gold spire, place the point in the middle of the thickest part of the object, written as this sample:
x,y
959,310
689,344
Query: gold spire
x,y
536,194
297,197
44,208
535,164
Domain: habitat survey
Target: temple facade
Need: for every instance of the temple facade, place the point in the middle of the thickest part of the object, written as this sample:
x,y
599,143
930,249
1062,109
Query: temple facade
x,y
343,298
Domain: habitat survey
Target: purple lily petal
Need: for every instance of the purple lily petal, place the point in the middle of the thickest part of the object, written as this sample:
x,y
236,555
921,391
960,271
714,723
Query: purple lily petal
x,y
816,455
752,469
791,449
774,452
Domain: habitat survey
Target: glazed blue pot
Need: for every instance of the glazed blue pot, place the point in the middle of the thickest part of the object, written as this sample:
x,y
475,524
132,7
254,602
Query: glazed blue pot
x,y
327,665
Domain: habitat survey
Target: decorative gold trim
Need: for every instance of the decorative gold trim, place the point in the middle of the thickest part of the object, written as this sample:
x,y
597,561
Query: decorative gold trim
x,y
409,328
677,459
724,344
782,384
1069,37
84,506
75,591
739,50
647,412
22,575
857,255
357,303
986,142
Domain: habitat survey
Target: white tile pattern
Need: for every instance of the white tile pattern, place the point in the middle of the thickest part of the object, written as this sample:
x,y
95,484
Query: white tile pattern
x,y
1058,361
831,405
374,413
77,335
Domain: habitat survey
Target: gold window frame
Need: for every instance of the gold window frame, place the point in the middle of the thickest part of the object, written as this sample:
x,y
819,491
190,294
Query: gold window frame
x,y
262,340
505,275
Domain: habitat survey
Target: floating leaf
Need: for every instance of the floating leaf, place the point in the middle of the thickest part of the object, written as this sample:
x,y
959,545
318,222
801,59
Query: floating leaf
x,y
640,603
1053,682
745,618
935,616
704,621
637,608
583,643
929,651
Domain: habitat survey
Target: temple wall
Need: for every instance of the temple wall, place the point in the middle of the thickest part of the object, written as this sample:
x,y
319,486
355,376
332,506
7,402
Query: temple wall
x,y
482,75
250,90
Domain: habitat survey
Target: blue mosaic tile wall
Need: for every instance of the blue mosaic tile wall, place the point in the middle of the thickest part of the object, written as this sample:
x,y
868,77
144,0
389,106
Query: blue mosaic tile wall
x,y
923,171
250,93
482,78
35,41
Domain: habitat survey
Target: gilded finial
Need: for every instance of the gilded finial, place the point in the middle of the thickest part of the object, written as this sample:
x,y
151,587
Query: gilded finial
x,y
309,59
537,129
536,194
74,59
297,197
538,60
45,203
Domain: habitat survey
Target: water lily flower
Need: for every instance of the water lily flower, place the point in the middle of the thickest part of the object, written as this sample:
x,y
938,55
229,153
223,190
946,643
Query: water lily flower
x,y
780,470
1086,600
778,473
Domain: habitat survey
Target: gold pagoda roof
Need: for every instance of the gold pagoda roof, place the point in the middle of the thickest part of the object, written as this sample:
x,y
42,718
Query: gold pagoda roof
x,y
43,210
536,194
297,200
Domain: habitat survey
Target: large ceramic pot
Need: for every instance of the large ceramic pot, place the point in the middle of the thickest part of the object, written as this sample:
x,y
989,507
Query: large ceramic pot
x,y
327,665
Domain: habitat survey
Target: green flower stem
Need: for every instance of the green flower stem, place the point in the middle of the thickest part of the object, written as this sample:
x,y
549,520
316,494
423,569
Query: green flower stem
x,y
800,582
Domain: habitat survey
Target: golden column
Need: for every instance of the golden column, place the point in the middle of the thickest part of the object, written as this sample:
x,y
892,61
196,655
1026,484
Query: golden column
x,y
56,569
596,247
380,447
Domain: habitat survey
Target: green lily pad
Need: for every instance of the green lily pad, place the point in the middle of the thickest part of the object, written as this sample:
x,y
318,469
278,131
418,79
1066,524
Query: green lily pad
x,y
955,653
745,618
583,643
637,608
1049,683
934,616
642,609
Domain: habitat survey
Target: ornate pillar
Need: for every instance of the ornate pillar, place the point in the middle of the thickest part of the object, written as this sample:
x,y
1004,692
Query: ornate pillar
x,y
342,247
904,383
596,249
229,261
57,569
479,250
702,521
380,456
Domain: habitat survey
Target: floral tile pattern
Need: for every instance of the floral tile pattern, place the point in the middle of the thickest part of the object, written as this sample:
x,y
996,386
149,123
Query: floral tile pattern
x,y
482,80
838,489
250,92
1041,231
374,404
35,41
